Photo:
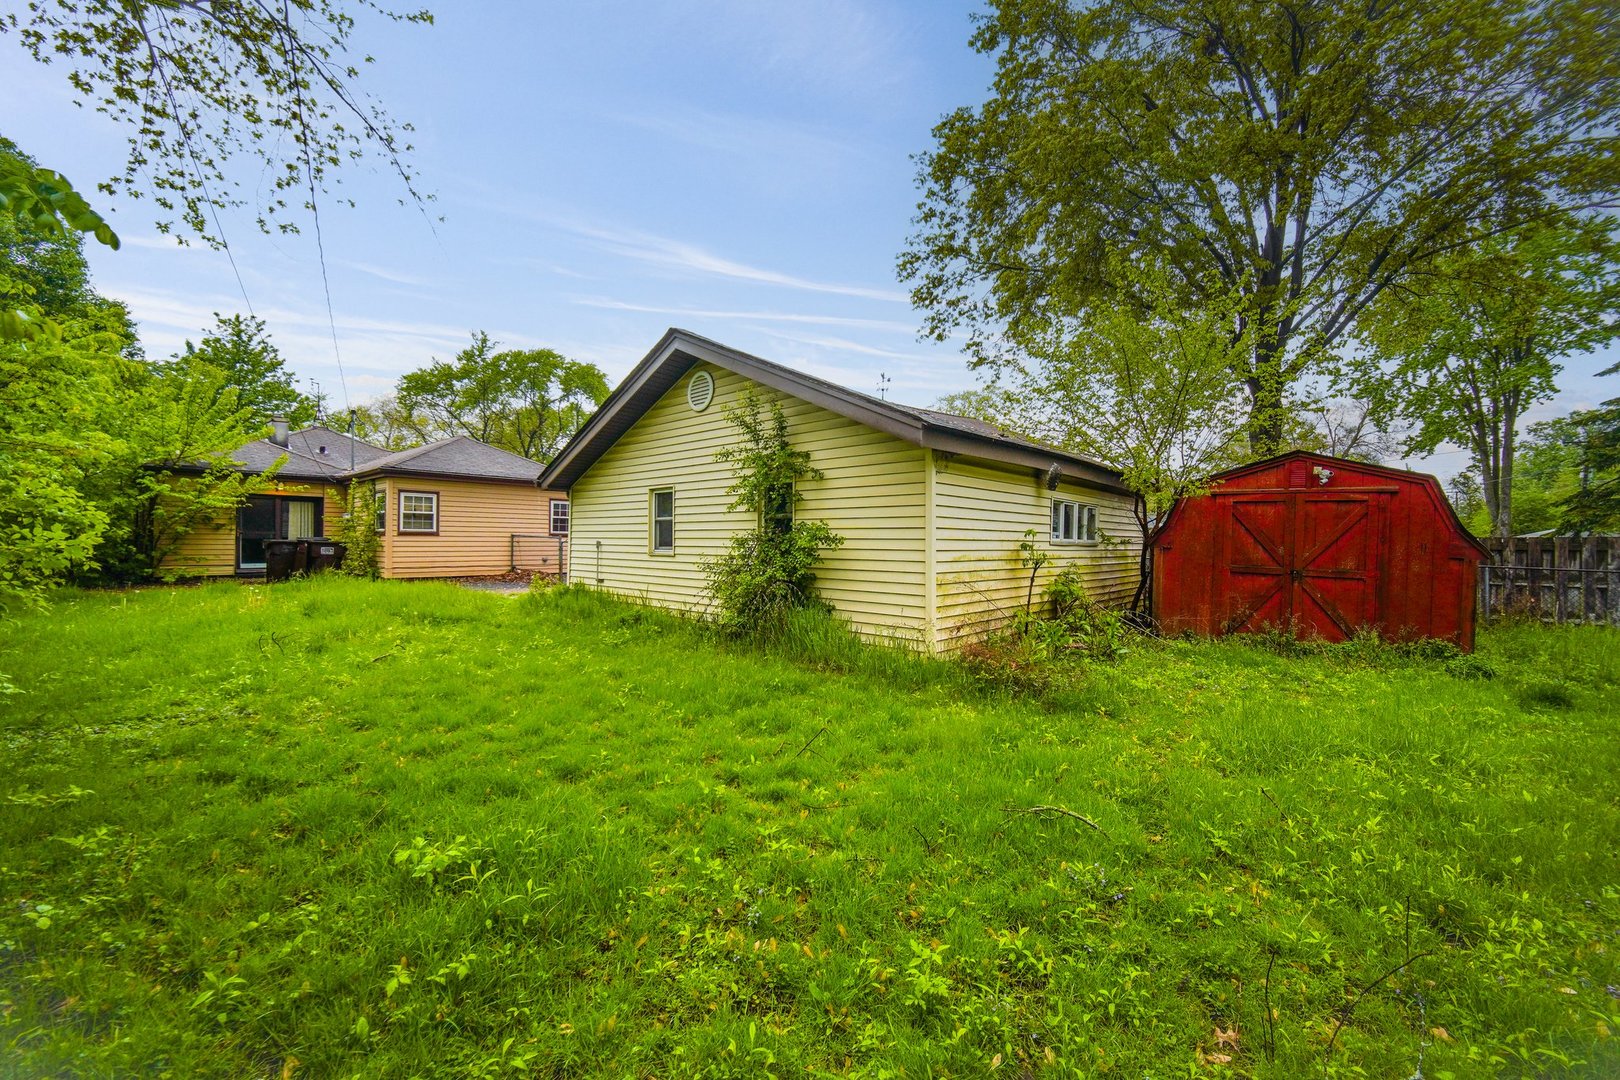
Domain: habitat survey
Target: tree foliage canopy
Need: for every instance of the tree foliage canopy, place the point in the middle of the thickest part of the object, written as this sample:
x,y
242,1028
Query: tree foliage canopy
x,y
1146,391
41,246
1594,505
83,422
198,83
1312,154
239,347
1462,352
528,401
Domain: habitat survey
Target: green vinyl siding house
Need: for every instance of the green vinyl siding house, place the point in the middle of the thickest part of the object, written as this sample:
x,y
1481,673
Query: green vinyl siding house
x,y
932,506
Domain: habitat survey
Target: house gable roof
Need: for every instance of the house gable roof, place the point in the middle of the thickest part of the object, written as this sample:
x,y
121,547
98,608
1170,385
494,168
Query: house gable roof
x,y
680,350
458,458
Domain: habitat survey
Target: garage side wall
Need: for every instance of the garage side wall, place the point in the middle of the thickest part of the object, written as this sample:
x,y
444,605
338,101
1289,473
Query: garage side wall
x,y
872,495
982,515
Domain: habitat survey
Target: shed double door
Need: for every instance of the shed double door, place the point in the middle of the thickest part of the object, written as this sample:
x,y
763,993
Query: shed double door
x,y
1303,561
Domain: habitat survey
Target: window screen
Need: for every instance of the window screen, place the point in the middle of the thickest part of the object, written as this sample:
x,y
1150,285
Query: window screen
x,y
663,520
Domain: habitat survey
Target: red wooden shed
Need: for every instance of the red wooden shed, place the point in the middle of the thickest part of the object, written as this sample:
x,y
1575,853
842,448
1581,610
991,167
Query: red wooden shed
x,y
1319,545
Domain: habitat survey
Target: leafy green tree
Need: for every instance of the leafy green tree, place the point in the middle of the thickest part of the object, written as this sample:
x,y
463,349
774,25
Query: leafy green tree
x,y
182,419
1461,354
767,572
1545,472
1147,391
1594,504
51,391
198,84
240,348
1463,491
1310,155
42,265
56,342
82,422
528,401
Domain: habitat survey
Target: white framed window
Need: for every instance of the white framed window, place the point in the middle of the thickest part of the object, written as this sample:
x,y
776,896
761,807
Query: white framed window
x,y
663,520
1073,522
380,498
418,511
559,517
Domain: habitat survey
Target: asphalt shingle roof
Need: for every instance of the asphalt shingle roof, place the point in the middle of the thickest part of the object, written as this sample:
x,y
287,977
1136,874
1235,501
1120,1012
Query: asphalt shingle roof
x,y
460,456
679,350
312,453
319,453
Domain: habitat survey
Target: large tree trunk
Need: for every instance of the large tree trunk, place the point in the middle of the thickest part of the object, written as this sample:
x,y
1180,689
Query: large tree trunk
x,y
1503,521
1143,600
1265,427
1494,440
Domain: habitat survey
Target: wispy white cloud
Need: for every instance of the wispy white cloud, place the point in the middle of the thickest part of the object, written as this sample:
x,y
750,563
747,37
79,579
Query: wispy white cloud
x,y
386,274
845,345
195,314
840,48
667,253
770,140
159,242
812,318
915,377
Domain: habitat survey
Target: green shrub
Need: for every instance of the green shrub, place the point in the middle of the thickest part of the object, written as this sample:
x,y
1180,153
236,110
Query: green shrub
x,y
358,532
766,573
1039,650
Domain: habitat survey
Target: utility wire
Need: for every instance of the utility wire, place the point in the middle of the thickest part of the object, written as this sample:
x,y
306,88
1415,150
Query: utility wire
x,y
314,203
191,152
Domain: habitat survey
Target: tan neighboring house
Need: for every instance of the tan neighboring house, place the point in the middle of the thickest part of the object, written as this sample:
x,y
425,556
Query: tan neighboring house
x,y
452,508
933,507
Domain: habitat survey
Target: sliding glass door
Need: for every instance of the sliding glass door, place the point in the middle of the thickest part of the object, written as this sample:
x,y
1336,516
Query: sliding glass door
x,y
272,517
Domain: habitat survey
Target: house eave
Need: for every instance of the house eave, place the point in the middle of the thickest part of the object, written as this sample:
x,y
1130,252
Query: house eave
x,y
678,351
425,474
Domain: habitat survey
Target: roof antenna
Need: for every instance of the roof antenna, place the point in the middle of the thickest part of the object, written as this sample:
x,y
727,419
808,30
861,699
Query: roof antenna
x,y
883,386
351,440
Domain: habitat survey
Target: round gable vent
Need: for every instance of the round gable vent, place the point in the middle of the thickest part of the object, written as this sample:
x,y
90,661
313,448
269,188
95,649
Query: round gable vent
x,y
700,391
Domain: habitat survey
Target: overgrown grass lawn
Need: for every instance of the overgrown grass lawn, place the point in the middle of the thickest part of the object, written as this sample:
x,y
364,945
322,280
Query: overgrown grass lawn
x,y
338,828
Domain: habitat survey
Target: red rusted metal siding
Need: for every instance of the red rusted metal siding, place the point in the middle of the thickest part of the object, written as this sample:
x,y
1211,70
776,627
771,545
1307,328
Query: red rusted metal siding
x,y
1320,546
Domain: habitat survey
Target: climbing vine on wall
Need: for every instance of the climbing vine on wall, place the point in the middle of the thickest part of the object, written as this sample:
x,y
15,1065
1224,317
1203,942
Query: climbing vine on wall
x,y
359,532
767,571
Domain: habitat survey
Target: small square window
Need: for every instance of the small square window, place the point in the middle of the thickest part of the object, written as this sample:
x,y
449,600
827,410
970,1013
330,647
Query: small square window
x,y
1072,522
559,517
663,520
418,512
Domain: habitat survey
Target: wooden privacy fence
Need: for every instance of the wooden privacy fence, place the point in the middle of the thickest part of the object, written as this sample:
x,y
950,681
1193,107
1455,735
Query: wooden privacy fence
x,y
1564,579
541,552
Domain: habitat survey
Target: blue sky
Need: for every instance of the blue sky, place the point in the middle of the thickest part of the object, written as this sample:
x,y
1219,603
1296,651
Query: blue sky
x,y
604,171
